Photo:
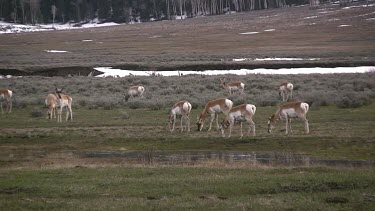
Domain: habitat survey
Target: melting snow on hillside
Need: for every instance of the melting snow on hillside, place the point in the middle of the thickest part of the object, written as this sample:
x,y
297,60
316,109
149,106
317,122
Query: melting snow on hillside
x,y
108,71
8,28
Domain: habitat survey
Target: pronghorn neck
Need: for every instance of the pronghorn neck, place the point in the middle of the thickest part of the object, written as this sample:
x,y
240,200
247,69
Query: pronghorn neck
x,y
205,113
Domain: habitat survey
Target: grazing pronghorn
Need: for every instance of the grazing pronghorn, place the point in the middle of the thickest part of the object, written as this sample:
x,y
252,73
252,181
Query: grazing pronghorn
x,y
181,108
51,103
241,113
134,91
233,86
286,91
6,96
214,108
288,111
62,102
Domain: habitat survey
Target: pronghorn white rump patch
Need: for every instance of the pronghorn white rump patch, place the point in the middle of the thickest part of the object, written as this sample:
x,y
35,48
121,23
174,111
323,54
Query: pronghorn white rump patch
x,y
251,108
229,103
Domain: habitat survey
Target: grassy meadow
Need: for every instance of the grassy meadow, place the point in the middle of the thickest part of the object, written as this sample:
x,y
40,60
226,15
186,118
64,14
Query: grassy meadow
x,y
47,165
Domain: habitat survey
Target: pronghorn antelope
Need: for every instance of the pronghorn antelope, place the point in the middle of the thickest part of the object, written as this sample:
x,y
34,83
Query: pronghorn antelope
x,y
64,101
214,108
6,96
288,111
233,86
286,91
181,108
241,113
134,91
51,103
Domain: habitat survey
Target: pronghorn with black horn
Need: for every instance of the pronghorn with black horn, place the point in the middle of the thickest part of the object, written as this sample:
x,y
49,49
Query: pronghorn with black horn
x,y
62,102
51,103
181,108
286,91
287,112
6,96
134,91
241,113
213,108
233,86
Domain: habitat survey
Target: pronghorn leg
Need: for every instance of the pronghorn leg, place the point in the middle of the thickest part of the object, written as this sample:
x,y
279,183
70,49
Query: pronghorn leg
x,y
67,114
291,94
307,131
230,130
59,115
212,120
10,106
251,126
1,105
286,126
241,129
290,125
188,123
54,113
71,113
174,122
182,127
217,122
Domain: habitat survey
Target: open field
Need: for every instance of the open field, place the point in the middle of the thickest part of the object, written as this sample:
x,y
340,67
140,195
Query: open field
x,y
79,165
111,155
336,36
187,188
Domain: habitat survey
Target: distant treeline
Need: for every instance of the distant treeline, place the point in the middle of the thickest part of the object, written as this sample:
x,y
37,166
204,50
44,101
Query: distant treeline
x,y
62,11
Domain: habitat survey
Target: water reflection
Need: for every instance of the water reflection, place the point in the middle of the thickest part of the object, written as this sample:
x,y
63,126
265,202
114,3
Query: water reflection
x,y
196,157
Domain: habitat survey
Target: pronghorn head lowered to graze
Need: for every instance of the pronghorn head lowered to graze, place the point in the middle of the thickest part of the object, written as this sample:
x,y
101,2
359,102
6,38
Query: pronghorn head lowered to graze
x,y
286,91
213,108
233,86
239,114
6,96
287,112
51,103
134,91
181,108
62,102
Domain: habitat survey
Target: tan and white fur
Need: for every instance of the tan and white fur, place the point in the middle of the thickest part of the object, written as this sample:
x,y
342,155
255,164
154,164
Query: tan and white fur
x,y
6,96
241,113
62,102
51,103
287,112
286,91
233,86
134,91
181,108
213,108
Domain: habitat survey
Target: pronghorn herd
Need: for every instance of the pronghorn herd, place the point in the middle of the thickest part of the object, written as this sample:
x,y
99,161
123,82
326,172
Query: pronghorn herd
x,y
58,101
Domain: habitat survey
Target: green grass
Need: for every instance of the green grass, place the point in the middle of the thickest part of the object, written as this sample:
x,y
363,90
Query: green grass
x,y
335,133
187,188
44,165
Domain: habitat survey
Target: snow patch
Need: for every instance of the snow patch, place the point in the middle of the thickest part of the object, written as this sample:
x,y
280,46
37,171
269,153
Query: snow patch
x,y
370,19
249,33
285,59
87,40
8,28
55,51
108,71
311,17
274,59
343,25
270,30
